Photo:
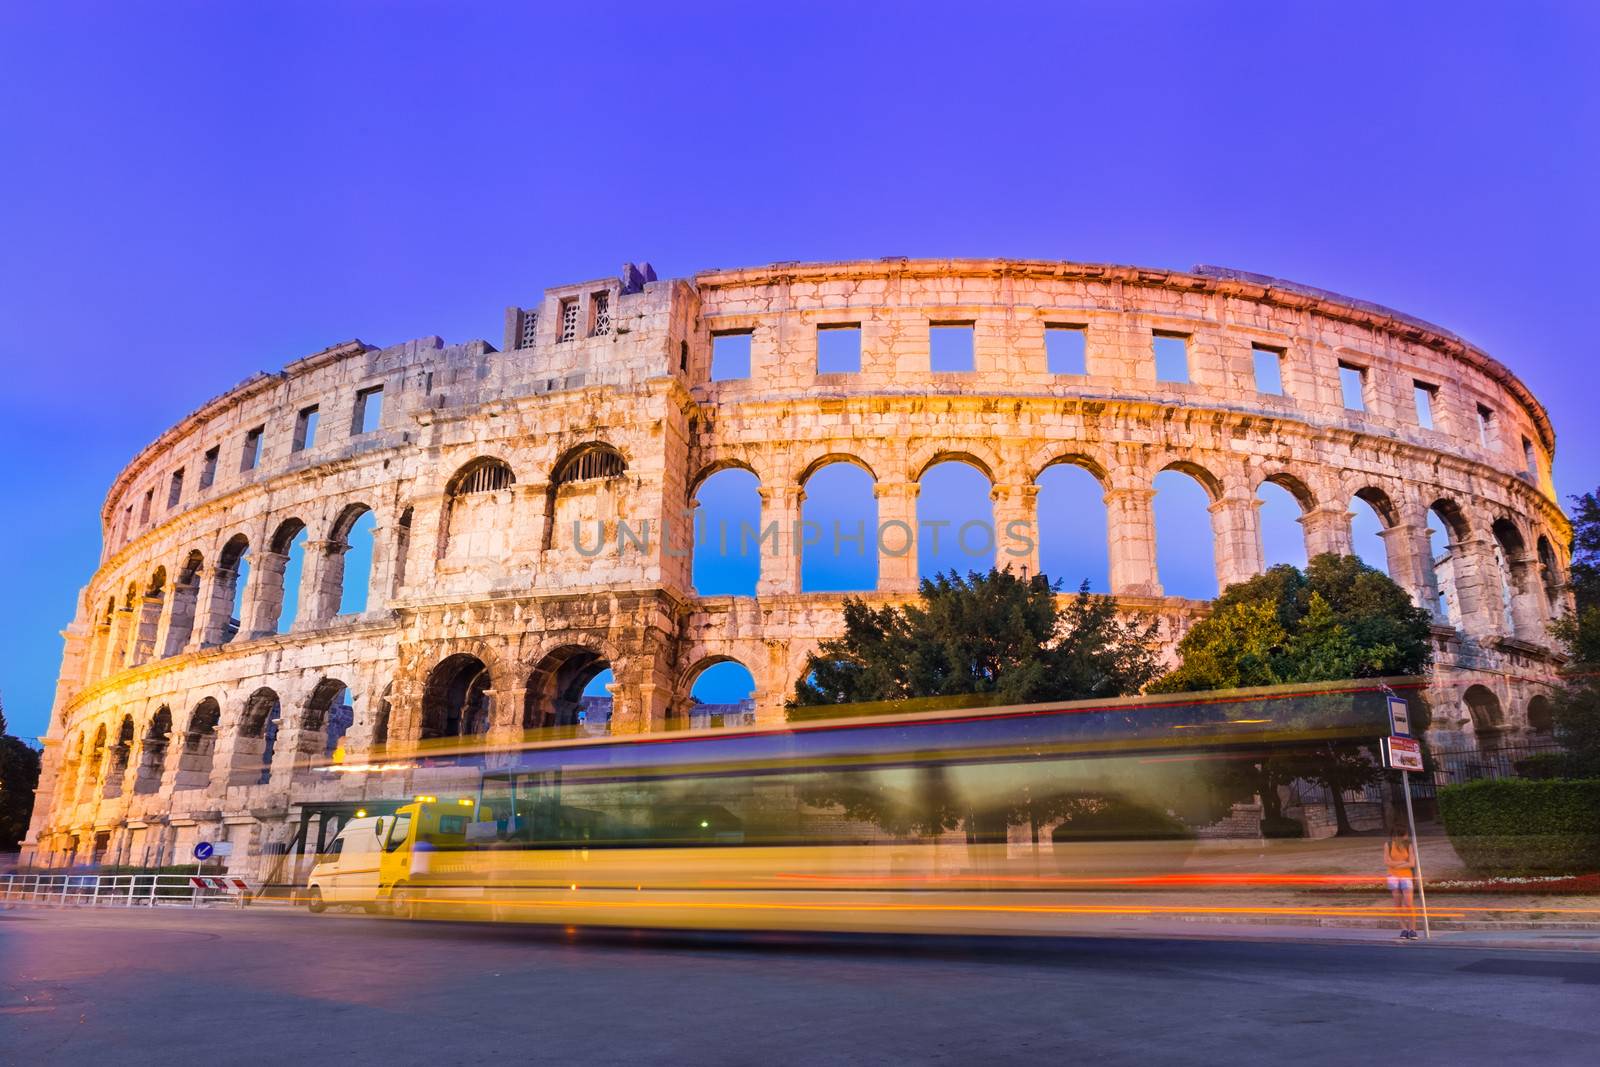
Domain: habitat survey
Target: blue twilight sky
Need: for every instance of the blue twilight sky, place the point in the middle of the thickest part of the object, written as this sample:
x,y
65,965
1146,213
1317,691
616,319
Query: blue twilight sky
x,y
193,192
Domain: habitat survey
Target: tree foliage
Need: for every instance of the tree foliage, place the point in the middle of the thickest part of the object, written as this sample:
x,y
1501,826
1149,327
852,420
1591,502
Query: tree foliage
x,y
1575,705
987,634
1338,619
19,777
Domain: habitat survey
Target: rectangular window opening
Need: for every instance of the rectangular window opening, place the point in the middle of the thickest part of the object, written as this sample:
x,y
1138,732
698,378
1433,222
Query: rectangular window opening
x,y
144,508
1269,369
1353,384
730,355
305,429
950,347
839,348
369,410
208,466
175,488
1172,356
1425,395
599,314
252,449
1485,426
1530,458
1066,349
569,318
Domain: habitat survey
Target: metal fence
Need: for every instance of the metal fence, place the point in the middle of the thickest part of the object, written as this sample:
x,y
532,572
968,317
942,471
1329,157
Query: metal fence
x,y
117,890
1471,764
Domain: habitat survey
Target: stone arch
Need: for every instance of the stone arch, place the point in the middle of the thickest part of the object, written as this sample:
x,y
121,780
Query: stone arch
x,y
199,745
555,692
947,518
153,752
327,716
402,553
474,505
581,479
341,588
716,714
255,738
1522,602
1450,565
984,459
455,698
117,759
839,506
725,557
70,776
717,466
1541,716
1071,521
281,580
1208,481
1186,549
232,576
185,601
1488,718
1381,504
1550,575
378,732
94,769
1285,501
1046,459
147,616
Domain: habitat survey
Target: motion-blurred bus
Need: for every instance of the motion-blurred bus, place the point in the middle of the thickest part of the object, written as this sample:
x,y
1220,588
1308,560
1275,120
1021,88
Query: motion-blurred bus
x,y
959,819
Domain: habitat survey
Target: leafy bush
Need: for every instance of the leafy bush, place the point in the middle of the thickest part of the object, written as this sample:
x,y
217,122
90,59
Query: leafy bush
x,y
1118,820
1518,826
1281,826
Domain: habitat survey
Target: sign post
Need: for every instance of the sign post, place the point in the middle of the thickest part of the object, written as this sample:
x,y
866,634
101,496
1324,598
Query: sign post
x,y
1401,751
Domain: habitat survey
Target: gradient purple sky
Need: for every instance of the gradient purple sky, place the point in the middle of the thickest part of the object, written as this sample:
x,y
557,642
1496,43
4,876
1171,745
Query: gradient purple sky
x,y
199,192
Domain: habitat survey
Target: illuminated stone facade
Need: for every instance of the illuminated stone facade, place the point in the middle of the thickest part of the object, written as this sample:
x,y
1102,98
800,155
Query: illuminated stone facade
x,y
482,613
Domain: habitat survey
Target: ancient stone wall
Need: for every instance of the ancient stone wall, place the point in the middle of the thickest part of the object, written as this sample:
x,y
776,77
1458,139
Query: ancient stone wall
x,y
492,475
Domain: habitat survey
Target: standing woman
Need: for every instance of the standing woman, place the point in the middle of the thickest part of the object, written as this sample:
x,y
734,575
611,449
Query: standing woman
x,y
1399,857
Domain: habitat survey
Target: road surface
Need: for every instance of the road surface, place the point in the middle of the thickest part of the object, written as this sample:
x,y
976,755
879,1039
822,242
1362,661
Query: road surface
x,y
237,988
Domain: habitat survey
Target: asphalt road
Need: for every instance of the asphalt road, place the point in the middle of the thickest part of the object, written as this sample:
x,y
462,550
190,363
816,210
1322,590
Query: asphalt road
x,y
234,988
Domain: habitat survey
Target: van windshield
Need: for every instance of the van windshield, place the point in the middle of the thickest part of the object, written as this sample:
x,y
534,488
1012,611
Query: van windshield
x,y
397,832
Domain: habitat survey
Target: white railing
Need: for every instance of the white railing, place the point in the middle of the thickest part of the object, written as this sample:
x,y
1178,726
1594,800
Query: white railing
x,y
122,890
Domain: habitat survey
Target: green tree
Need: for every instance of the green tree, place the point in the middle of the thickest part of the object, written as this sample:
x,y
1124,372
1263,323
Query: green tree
x,y
987,634
19,777
1575,705
1337,619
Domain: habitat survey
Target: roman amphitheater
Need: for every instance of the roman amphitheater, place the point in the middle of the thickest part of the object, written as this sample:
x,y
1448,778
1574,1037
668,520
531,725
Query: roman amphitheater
x,y
190,708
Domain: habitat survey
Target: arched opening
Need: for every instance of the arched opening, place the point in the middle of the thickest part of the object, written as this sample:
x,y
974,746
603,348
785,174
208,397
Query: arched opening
x,y
257,739
839,515
153,752
584,495
455,702
1488,720
1541,718
326,719
722,694
1283,536
117,764
402,552
185,598
232,578
1550,575
380,718
94,769
476,510
72,771
1071,528
350,558
568,691
1447,529
1510,557
727,526
283,577
199,745
147,616
1367,524
955,519
105,634
1186,560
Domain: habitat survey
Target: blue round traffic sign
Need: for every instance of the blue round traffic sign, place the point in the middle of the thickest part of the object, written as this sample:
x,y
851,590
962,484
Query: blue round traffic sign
x,y
203,850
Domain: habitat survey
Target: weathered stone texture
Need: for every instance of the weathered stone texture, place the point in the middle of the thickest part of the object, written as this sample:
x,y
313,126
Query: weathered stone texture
x,y
495,575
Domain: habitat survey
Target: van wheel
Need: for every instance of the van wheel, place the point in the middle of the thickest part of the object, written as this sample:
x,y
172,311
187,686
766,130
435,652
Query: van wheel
x,y
403,904
314,902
